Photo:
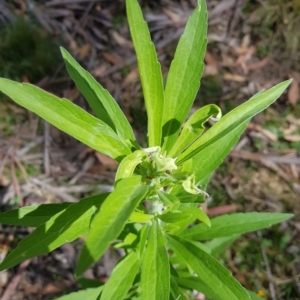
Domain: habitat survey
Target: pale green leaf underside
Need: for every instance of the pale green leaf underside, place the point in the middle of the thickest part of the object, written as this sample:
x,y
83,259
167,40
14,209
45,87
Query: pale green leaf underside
x,y
64,227
128,164
102,103
239,223
155,277
194,127
209,270
110,220
88,294
150,71
184,76
122,278
68,117
234,119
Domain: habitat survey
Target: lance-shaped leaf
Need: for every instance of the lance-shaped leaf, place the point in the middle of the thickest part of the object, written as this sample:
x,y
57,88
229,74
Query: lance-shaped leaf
x,y
64,227
194,283
194,127
197,211
234,119
207,160
88,294
102,103
128,164
68,117
121,278
176,292
155,278
32,216
183,80
150,71
208,269
110,220
239,223
218,245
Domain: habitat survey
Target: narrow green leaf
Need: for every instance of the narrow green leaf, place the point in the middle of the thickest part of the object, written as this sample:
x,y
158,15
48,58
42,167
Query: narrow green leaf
x,y
180,225
174,217
234,119
155,278
218,245
196,211
207,160
122,278
169,200
102,103
138,217
239,223
209,270
68,117
176,292
195,283
194,127
110,220
32,216
64,227
150,71
183,80
128,164
88,294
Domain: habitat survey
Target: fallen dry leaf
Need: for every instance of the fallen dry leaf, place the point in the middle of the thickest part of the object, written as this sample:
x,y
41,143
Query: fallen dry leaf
x,y
121,40
293,92
211,66
106,160
234,77
292,138
258,65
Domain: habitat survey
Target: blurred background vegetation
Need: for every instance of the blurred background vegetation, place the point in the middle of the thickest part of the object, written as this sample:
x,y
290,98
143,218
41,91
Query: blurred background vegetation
x,y
253,44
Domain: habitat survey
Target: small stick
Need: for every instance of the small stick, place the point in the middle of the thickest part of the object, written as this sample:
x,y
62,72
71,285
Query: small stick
x,y
15,281
15,180
268,269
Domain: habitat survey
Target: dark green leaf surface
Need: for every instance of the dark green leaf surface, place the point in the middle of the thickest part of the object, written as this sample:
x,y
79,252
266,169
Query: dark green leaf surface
x,y
102,103
209,270
67,117
110,220
239,223
122,278
32,216
155,278
150,71
88,294
183,80
64,227
234,119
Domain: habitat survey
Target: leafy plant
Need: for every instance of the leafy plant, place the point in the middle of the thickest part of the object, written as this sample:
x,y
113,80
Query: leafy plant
x,y
153,212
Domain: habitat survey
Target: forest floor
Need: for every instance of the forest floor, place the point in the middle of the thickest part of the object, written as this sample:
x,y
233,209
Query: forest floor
x,y
252,45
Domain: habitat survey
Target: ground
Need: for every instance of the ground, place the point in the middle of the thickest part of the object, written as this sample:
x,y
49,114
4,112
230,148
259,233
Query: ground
x,y
252,45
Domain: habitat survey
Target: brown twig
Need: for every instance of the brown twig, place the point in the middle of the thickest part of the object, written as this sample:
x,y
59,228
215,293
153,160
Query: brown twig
x,y
15,180
15,281
267,265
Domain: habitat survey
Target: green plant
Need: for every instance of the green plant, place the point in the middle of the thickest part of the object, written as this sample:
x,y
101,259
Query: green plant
x,y
157,189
